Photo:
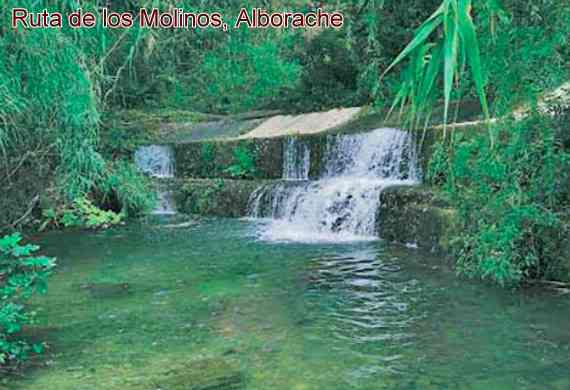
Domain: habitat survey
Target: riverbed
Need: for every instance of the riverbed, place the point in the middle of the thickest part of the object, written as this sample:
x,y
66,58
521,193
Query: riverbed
x,y
208,305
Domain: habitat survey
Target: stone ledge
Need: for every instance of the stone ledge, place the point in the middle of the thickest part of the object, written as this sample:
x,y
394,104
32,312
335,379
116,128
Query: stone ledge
x,y
416,215
408,215
215,197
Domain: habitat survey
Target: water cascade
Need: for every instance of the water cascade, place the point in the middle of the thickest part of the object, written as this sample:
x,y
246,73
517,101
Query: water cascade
x,y
158,161
296,160
155,160
341,205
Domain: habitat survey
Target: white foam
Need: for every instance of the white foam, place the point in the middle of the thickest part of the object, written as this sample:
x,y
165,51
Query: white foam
x,y
342,206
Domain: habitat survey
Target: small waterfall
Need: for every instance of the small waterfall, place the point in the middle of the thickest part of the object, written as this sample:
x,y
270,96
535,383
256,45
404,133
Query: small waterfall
x,y
296,160
165,204
155,160
341,205
158,161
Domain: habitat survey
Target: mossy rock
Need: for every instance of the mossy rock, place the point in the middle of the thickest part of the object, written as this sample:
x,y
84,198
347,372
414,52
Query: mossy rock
x,y
211,159
123,132
216,197
416,215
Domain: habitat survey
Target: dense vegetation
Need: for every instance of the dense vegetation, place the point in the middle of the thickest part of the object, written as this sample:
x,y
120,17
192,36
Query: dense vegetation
x,y
64,161
60,88
511,199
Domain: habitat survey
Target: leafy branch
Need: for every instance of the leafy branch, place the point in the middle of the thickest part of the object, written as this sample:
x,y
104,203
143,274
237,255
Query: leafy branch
x,y
455,50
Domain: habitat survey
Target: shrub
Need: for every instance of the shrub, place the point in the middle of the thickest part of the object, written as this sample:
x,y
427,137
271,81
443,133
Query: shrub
x,y
126,189
81,213
123,191
243,73
21,275
509,199
243,166
208,159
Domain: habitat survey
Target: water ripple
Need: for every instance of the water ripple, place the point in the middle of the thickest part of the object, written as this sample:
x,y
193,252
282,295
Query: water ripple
x,y
367,304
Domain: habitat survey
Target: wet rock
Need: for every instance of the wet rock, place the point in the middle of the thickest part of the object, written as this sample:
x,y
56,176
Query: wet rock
x,y
416,215
216,197
209,159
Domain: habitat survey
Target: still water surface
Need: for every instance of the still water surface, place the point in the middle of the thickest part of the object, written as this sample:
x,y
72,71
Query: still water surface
x,y
208,306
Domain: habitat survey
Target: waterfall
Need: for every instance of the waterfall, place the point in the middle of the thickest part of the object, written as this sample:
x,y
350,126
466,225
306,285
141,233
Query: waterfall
x,y
165,204
158,161
155,160
341,205
296,160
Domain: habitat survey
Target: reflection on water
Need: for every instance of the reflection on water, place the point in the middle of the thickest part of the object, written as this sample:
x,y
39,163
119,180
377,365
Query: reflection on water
x,y
371,316
201,306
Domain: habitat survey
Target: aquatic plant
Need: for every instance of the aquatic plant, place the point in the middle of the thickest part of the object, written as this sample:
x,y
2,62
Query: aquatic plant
x,y
22,274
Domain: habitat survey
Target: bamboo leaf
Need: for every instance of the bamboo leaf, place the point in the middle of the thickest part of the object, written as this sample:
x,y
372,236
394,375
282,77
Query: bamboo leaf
x,y
421,35
469,38
450,65
431,74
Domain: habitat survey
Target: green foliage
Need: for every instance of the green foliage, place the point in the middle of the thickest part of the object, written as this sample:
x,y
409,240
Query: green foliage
x,y
81,213
122,192
438,165
243,166
56,83
528,52
204,200
457,50
509,200
512,51
244,74
207,157
53,89
22,274
376,32
122,142
329,77
125,188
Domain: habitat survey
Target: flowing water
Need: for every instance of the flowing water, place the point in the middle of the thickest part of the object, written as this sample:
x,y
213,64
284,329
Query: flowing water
x,y
296,160
249,304
342,205
204,305
155,160
158,161
165,202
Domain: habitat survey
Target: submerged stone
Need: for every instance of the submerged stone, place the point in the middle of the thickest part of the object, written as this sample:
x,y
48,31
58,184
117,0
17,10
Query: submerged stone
x,y
207,374
106,290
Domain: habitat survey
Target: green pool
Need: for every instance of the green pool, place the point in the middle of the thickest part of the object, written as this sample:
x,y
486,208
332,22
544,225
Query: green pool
x,y
207,306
